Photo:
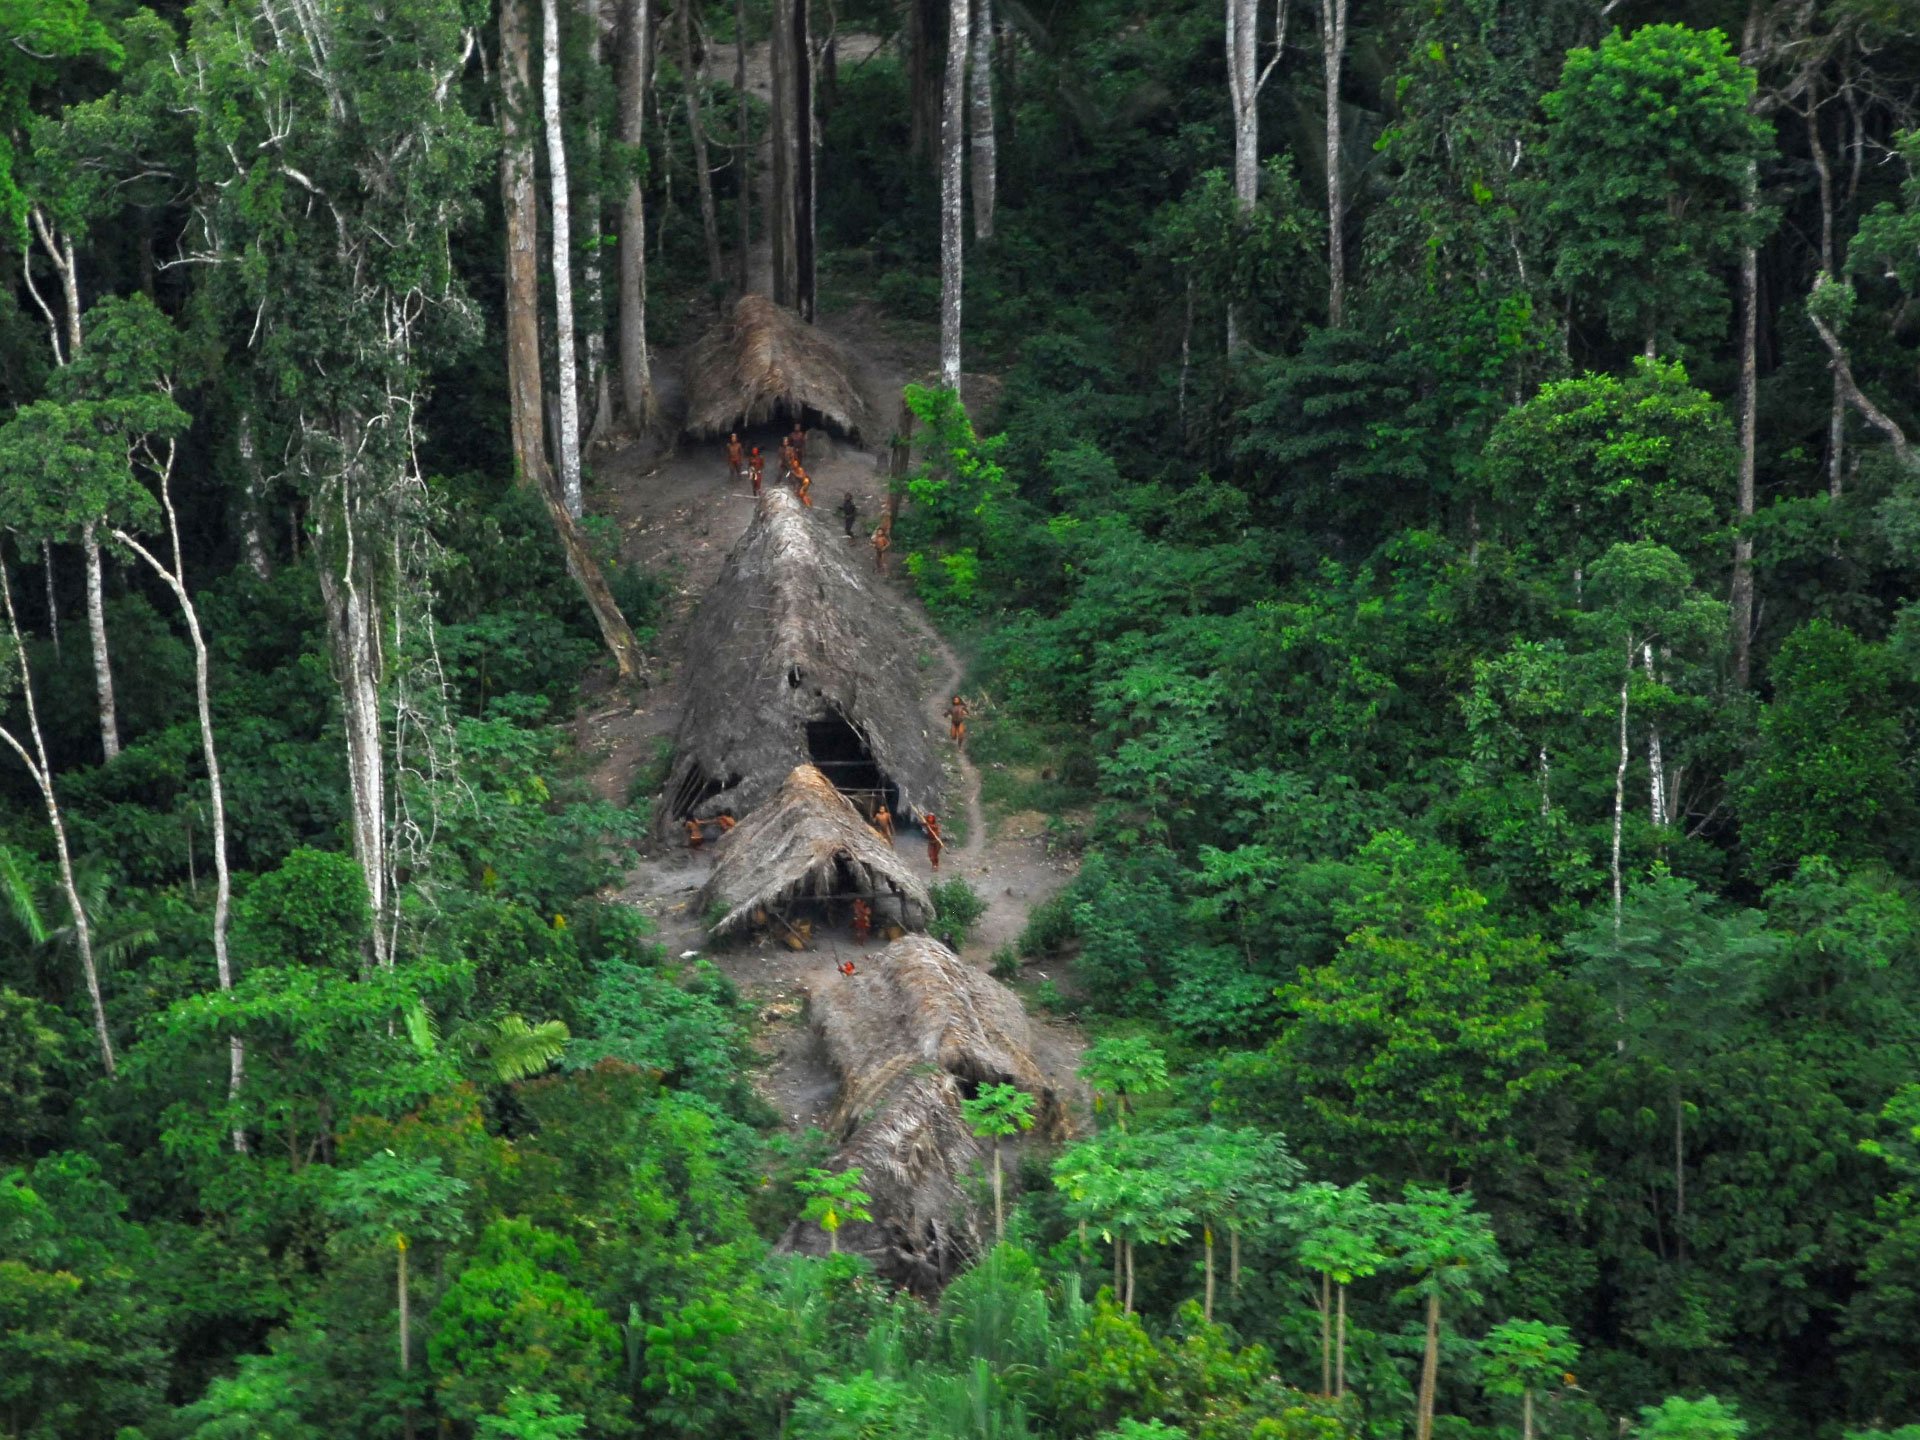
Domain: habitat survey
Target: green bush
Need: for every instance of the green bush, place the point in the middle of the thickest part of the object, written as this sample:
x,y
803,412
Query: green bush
x,y
957,908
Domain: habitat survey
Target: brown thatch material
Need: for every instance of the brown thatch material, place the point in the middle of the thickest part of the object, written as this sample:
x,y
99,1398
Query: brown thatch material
x,y
808,841
764,360
912,1032
797,632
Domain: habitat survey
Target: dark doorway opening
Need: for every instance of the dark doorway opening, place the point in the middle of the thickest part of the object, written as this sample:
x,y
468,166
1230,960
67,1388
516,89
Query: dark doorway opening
x,y
841,753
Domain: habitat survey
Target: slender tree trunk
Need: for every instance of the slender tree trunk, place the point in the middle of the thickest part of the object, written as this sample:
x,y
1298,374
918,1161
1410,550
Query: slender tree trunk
x,y
347,593
636,367
999,1211
591,266
785,61
980,115
1657,811
42,772
1127,1245
1206,1233
1233,1259
1856,397
1837,408
922,104
406,1337
1620,790
1340,1342
702,169
1679,1181
1326,1333
1526,1413
97,634
744,158
1333,38
1429,1372
1741,596
1245,79
568,446
953,120
53,595
175,580
253,504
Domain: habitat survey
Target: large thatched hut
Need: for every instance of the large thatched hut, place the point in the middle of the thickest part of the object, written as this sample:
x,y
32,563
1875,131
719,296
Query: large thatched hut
x,y
913,1032
807,847
765,363
799,658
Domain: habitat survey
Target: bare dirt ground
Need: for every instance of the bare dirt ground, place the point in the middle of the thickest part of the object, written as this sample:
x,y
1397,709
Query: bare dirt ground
x,y
679,513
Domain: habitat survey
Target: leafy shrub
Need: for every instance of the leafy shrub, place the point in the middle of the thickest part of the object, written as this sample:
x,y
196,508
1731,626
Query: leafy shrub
x,y
1049,927
957,908
1005,964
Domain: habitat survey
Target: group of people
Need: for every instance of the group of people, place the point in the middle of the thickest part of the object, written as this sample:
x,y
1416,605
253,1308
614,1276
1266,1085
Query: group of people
x,y
751,464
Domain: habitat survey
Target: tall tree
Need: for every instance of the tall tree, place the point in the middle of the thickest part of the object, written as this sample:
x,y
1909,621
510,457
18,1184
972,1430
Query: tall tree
x,y
1450,1249
40,770
985,145
592,266
567,438
1333,57
636,366
523,336
1246,77
690,80
953,122
791,221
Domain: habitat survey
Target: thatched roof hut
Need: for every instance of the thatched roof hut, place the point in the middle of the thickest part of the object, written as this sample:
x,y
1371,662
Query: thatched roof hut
x,y
913,1032
807,842
764,362
800,658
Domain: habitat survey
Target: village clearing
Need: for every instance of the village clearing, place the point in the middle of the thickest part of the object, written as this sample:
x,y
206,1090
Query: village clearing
x,y
679,515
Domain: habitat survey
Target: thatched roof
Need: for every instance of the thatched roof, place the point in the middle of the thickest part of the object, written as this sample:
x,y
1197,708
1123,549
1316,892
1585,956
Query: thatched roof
x,y
911,1032
763,359
796,631
798,845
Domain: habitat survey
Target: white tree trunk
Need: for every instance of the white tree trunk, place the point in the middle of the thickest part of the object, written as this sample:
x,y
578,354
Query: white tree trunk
x,y
251,523
97,633
1333,38
985,146
636,366
569,408
175,580
42,773
1620,789
352,627
591,266
1657,810
953,120
53,595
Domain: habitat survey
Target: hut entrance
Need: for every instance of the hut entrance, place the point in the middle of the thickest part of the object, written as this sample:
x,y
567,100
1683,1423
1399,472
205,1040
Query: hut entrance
x,y
841,753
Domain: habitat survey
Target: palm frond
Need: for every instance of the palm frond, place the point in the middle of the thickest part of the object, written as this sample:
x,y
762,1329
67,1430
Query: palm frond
x,y
423,1030
519,1051
16,894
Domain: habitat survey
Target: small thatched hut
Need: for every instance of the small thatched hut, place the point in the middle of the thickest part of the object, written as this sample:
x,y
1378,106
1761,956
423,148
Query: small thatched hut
x,y
808,844
912,1033
799,658
763,363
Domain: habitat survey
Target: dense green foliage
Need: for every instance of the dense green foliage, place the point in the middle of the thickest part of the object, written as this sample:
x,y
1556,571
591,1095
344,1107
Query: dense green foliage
x,y
1505,980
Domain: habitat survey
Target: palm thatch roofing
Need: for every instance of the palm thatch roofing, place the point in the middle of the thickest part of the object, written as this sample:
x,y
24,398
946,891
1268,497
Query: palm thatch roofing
x,y
800,655
765,360
808,841
912,1033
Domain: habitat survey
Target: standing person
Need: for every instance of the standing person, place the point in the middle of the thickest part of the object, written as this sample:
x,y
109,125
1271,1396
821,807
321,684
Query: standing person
x,y
756,468
849,512
862,921
788,460
797,441
803,484
883,822
936,842
957,713
736,457
881,540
